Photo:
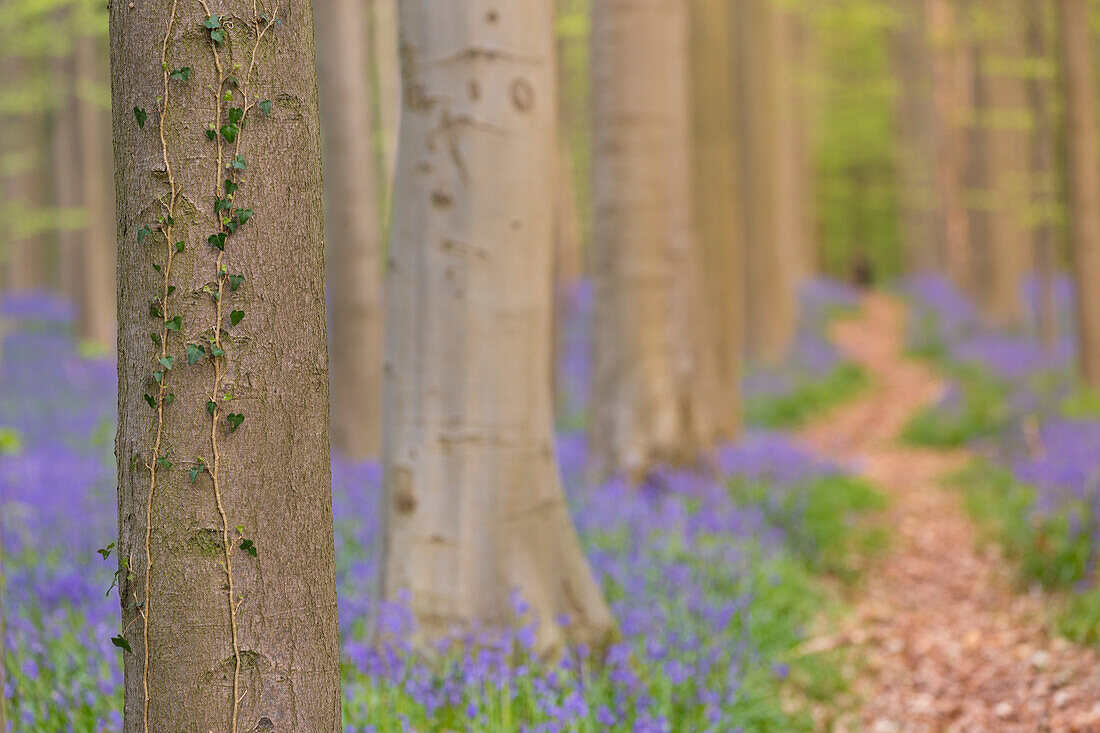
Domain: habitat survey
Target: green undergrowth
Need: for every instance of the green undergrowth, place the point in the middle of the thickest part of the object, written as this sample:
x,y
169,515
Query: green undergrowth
x,y
976,408
808,400
1052,551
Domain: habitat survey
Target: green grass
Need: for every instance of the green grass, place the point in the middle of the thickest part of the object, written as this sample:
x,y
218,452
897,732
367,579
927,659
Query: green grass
x,y
808,400
1045,549
982,411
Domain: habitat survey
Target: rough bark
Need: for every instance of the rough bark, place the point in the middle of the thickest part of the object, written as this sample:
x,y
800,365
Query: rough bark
x,y
473,501
1044,196
717,204
223,640
352,229
98,289
1084,180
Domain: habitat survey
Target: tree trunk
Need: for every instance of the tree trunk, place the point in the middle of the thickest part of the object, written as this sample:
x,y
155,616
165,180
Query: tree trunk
x,y
1008,249
717,204
790,170
387,69
353,233
20,148
1084,186
98,289
65,172
642,237
474,506
952,91
229,605
1044,192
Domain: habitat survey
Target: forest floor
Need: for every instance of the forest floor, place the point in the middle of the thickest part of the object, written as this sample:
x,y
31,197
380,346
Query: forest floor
x,y
947,641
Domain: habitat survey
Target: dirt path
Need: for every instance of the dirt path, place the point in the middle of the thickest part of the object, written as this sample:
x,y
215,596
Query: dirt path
x,y
948,645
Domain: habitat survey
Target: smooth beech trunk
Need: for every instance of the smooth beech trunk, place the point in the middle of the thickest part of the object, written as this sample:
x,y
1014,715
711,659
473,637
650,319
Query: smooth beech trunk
x,y
717,204
352,228
643,410
474,507
385,50
1084,180
223,639
1044,192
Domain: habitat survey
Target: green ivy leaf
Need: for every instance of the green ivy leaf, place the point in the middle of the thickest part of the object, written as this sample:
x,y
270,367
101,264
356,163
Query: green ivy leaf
x,y
239,164
211,133
213,22
140,115
244,215
156,338
218,36
220,204
169,398
236,317
265,107
195,353
156,267
179,246
182,74
157,376
163,462
250,547
230,187
171,289
143,233
167,362
194,472
218,240
174,324
235,114
211,406
154,310
121,643
216,350
105,552
235,282
231,225
152,402
229,132
234,419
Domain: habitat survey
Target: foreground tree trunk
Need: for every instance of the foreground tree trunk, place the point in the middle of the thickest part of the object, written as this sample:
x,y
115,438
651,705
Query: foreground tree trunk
x,y
473,504
353,232
1084,186
227,577
716,199
98,289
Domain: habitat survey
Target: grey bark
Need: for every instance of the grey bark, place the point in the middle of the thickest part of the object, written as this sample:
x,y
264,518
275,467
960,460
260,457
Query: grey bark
x,y
255,649
473,502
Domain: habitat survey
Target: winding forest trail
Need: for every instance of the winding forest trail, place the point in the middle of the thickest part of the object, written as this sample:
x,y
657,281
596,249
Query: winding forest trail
x,y
947,644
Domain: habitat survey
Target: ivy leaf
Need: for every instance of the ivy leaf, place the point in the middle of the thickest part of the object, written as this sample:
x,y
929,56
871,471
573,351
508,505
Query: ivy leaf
x,y
105,552
229,132
234,419
216,350
171,289
157,376
143,233
167,362
236,317
231,225
222,204
182,74
230,187
217,36
235,282
211,133
218,240
194,472
156,338
174,324
179,246
156,267
238,162
151,401
140,115
212,22
244,215
154,309
250,547
163,462
195,353
235,114
121,643
265,107
211,406
169,398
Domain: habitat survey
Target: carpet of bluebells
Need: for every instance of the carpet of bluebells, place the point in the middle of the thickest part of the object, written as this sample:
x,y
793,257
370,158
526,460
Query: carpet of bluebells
x,y
1019,404
711,572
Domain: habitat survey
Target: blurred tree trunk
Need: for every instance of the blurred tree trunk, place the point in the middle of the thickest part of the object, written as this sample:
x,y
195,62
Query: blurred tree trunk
x,y
228,639
474,506
1010,256
21,148
66,174
352,228
952,92
98,289
643,408
771,310
1084,186
385,48
916,122
791,167
717,204
1044,191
